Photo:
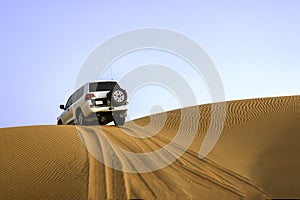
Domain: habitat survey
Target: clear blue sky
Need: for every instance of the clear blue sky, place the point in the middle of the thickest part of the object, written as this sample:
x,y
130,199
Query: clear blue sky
x,y
255,46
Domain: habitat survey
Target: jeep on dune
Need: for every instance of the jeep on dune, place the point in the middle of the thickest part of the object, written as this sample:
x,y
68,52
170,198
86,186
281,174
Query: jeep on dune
x,y
103,101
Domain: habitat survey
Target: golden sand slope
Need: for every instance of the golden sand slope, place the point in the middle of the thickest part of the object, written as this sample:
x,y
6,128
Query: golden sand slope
x,y
43,162
256,157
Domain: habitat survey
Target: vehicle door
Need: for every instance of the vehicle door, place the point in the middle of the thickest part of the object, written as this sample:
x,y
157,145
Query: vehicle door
x,y
68,113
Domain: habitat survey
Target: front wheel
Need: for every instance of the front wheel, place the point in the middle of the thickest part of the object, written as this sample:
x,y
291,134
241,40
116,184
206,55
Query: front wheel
x,y
80,118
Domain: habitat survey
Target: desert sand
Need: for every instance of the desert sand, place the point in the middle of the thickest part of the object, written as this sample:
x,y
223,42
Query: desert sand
x,y
256,157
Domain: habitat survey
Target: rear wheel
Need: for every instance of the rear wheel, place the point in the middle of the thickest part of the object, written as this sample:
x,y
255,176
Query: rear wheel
x,y
59,122
119,119
119,122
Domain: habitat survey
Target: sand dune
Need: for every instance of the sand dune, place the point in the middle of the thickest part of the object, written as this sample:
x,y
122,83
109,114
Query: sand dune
x,y
43,162
256,157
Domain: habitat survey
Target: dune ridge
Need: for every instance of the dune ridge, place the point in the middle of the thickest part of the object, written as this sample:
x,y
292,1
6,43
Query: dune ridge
x,y
256,157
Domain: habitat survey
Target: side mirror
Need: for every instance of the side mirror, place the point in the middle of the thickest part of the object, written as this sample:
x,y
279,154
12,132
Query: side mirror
x,y
62,107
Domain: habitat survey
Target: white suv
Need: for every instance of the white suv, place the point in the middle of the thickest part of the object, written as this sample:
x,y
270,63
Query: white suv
x,y
104,101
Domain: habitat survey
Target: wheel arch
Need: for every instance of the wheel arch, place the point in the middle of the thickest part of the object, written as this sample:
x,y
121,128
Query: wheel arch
x,y
59,122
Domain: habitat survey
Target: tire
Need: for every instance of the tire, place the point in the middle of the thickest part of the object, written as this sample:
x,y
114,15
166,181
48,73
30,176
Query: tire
x,y
59,122
117,97
80,118
119,121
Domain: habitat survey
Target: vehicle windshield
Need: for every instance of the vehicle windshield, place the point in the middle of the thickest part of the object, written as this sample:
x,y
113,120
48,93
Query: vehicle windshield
x,y
93,87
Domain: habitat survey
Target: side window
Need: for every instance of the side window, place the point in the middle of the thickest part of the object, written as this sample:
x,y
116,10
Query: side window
x,y
78,94
74,97
69,102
